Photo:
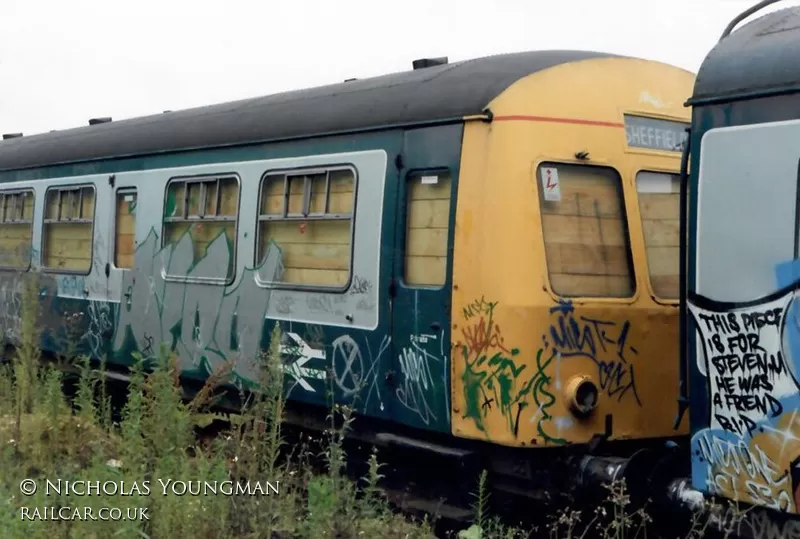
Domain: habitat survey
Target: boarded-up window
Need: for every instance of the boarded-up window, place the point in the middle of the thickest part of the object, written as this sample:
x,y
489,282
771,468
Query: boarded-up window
x,y
427,225
204,209
125,229
659,204
68,218
16,228
308,215
585,231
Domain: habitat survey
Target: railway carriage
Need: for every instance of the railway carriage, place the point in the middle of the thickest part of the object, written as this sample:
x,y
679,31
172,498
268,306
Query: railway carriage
x,y
742,316
482,257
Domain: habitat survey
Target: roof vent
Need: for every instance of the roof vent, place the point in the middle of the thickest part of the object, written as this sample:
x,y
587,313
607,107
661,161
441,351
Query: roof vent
x,y
350,80
95,121
422,63
166,111
11,135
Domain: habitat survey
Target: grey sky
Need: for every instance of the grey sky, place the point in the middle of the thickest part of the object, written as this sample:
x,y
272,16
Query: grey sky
x,y
62,63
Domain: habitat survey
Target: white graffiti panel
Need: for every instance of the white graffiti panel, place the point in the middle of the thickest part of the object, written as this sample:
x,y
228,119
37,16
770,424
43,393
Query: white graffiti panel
x,y
744,362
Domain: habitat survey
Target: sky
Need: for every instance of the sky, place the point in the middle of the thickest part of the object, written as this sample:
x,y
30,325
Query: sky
x,y
64,62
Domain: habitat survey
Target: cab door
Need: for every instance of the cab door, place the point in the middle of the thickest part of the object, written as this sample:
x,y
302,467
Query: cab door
x,y
422,267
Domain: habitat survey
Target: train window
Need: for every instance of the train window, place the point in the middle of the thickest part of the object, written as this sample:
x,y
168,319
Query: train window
x,y
205,211
125,228
659,204
67,232
16,228
308,216
585,231
427,227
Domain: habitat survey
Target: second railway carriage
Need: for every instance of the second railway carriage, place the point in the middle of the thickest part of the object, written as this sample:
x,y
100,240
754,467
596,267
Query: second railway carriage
x,y
480,256
743,244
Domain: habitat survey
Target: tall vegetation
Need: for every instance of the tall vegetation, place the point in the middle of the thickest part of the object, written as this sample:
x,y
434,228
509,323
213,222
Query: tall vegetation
x,y
140,462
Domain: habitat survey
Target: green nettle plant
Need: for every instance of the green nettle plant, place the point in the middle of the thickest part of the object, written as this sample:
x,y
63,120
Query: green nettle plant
x,y
48,432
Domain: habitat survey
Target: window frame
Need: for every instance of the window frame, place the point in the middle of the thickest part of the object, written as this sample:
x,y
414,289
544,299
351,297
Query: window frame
x,y
117,192
45,221
284,217
407,178
3,221
631,262
202,178
655,170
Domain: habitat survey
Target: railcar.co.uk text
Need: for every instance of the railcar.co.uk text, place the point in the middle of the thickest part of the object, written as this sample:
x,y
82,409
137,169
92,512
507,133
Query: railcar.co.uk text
x,y
163,487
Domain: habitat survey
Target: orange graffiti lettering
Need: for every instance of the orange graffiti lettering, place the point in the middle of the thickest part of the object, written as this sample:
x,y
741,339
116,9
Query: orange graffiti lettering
x,y
483,336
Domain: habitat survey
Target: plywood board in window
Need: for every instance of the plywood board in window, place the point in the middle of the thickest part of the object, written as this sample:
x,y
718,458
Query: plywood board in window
x,y
585,234
591,285
68,246
586,201
15,244
661,233
125,230
427,222
658,206
585,259
317,254
586,230
426,270
333,232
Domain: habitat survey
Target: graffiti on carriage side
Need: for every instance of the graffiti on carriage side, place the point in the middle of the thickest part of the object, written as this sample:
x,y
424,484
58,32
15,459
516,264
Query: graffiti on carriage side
x,y
744,362
749,449
207,324
357,373
423,378
495,377
13,291
604,342
204,325
11,298
764,526
734,465
498,376
101,327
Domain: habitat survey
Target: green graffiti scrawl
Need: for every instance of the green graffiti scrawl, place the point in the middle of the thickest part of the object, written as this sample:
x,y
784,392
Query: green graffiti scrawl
x,y
493,377
543,398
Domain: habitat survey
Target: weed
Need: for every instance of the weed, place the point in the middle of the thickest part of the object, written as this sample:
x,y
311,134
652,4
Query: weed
x,y
174,486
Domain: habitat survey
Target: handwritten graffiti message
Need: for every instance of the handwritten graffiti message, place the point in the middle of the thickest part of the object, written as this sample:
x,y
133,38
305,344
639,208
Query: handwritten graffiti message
x,y
744,362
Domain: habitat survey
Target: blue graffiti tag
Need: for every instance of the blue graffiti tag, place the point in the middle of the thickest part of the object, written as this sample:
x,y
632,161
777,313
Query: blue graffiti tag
x,y
581,336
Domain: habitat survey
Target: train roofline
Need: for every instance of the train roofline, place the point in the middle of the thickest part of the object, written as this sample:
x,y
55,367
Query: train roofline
x,y
757,60
429,95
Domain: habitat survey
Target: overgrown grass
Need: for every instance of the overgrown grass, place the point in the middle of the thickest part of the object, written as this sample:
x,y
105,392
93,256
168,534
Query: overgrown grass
x,y
141,464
